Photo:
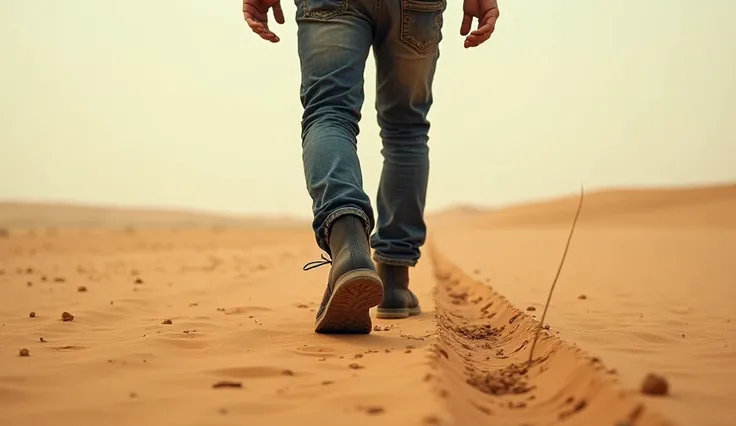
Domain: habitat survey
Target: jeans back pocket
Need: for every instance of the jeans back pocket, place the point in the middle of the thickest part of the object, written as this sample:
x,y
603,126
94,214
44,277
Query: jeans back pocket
x,y
421,23
320,9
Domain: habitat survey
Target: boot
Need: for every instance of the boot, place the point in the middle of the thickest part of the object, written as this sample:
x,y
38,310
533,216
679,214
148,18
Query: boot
x,y
398,300
353,286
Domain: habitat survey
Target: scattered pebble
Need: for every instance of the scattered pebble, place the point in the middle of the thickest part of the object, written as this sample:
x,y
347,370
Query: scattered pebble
x,y
81,289
355,366
24,352
138,281
531,308
654,384
66,317
42,340
32,315
167,322
582,297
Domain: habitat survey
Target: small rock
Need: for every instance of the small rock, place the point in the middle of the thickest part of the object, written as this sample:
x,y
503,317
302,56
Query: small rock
x,y
32,315
66,317
81,289
24,352
42,340
531,308
355,366
582,297
167,322
655,385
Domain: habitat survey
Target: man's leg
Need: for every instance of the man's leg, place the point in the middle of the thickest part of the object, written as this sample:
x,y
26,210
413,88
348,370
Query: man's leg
x,y
406,54
334,38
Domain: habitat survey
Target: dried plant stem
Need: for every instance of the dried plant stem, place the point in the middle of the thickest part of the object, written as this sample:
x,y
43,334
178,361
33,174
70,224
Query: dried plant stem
x,y
559,270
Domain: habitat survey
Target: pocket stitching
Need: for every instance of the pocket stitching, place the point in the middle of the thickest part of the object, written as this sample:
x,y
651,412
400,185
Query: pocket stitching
x,y
325,14
422,7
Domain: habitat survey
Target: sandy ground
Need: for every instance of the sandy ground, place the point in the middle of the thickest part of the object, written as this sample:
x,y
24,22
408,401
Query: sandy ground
x,y
167,306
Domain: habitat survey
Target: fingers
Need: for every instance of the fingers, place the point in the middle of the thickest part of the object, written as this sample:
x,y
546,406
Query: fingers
x,y
486,26
487,23
278,13
466,24
258,23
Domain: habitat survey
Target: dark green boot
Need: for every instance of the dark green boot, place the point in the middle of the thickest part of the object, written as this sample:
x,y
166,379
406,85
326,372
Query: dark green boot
x,y
398,300
353,286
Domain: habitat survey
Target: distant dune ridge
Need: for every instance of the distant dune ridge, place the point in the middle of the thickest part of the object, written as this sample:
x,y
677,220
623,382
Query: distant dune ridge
x,y
711,206
127,316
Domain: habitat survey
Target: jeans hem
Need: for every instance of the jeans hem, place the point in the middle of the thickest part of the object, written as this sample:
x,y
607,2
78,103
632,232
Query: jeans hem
x,y
323,236
393,261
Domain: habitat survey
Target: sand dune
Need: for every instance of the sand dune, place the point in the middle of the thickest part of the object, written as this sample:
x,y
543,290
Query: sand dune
x,y
241,312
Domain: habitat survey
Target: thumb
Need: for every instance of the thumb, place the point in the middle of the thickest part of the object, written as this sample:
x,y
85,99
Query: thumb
x,y
278,13
466,24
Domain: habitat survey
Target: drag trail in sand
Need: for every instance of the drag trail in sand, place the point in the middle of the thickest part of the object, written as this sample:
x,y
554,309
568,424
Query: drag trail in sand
x,y
189,320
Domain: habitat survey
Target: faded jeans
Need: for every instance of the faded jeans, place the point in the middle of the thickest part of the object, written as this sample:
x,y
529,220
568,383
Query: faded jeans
x,y
334,38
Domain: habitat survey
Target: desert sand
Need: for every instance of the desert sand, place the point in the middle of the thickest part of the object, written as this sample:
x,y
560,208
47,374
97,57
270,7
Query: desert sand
x,y
186,319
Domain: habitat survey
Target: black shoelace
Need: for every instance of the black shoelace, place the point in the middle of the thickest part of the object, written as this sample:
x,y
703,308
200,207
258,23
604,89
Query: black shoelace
x,y
317,263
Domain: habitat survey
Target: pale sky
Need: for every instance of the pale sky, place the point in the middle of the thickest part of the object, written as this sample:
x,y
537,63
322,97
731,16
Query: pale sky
x,y
177,104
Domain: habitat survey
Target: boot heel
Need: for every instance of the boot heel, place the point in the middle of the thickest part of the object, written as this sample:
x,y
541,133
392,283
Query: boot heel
x,y
348,309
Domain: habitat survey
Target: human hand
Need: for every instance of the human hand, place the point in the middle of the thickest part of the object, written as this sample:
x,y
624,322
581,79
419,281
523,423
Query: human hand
x,y
486,11
256,15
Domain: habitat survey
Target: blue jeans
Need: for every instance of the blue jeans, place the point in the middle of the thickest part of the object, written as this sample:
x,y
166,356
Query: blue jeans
x,y
334,38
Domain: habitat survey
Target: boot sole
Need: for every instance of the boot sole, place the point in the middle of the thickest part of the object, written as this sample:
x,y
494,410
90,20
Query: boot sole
x,y
348,310
397,313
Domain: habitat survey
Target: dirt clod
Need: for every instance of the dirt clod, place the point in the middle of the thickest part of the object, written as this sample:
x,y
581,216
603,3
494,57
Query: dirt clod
x,y
511,379
374,410
227,384
479,332
654,384
66,317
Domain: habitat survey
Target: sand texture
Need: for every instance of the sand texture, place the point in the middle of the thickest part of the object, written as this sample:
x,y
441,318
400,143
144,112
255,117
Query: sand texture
x,y
184,319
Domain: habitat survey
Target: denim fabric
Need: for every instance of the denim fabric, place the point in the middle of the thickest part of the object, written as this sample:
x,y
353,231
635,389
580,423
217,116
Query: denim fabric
x,y
334,39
